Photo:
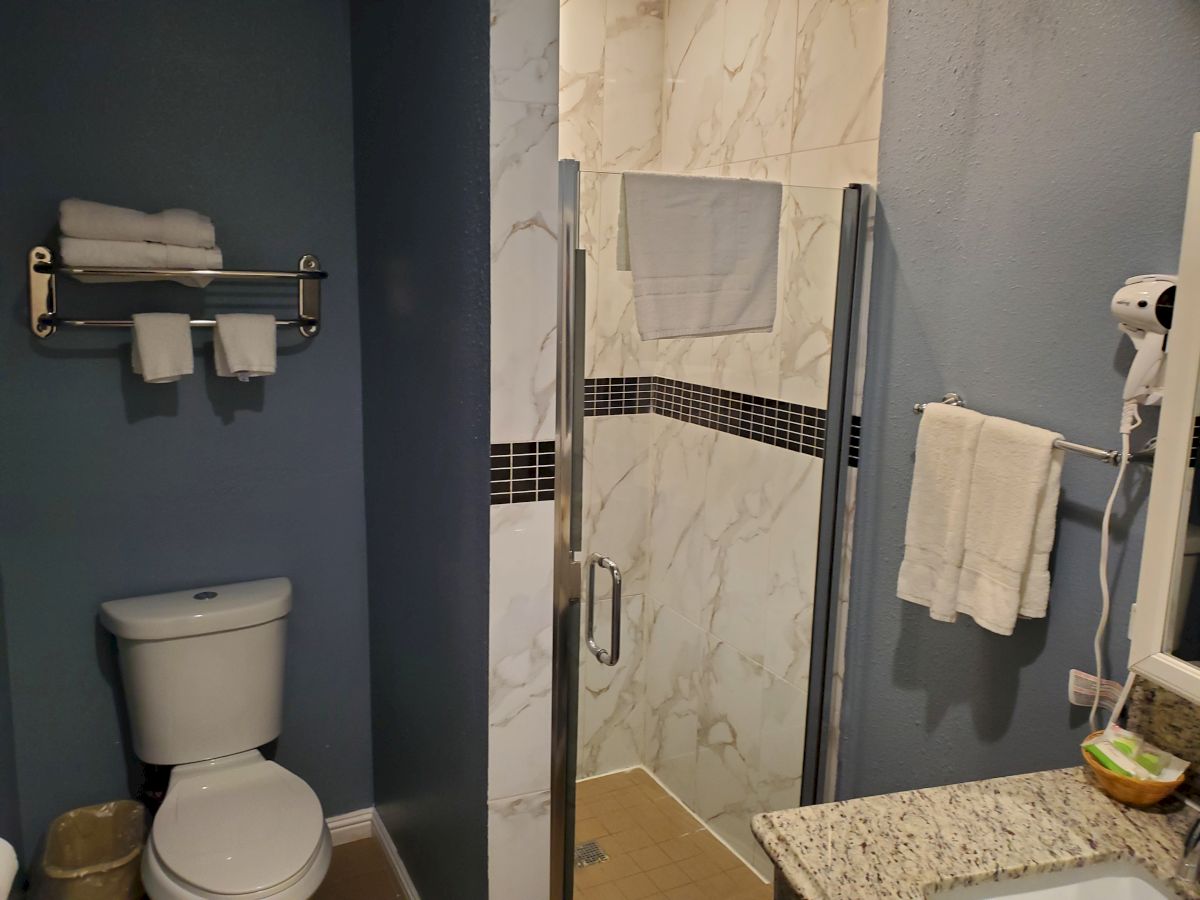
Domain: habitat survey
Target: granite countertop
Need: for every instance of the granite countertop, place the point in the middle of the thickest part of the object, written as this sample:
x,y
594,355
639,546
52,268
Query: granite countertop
x,y
916,843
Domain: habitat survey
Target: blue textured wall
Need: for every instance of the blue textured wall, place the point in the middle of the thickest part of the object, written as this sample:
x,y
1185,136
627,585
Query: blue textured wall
x,y
110,487
421,165
1033,155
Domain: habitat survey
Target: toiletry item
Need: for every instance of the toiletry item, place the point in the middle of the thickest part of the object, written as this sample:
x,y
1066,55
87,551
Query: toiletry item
x,y
162,346
182,227
244,346
1127,753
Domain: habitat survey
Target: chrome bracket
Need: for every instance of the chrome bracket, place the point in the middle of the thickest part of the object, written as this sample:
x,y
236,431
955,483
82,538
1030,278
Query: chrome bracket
x,y
309,300
42,304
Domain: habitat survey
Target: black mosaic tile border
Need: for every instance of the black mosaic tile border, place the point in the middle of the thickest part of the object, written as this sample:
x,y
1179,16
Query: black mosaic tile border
x,y
775,422
1195,458
855,441
522,472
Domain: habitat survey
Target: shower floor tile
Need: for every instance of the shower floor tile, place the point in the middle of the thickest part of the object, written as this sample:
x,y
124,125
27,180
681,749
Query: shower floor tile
x,y
656,849
359,871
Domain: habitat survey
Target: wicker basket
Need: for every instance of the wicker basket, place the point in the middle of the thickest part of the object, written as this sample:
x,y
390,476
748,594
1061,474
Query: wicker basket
x,y
1132,791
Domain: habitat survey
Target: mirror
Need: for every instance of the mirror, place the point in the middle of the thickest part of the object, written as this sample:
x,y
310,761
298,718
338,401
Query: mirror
x,y
1165,634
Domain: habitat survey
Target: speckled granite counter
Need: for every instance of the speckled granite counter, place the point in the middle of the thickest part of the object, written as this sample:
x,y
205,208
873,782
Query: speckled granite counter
x,y
916,843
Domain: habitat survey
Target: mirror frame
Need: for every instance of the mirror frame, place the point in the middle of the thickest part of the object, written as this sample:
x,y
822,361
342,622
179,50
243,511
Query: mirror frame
x,y
1152,627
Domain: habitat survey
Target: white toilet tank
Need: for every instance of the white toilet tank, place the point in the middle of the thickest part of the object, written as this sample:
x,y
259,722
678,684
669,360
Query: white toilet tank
x,y
202,668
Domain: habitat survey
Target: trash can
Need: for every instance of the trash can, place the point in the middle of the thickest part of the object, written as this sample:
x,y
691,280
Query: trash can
x,y
94,853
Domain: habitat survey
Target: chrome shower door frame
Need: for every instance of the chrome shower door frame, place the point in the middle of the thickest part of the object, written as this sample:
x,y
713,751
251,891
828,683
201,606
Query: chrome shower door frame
x,y
568,527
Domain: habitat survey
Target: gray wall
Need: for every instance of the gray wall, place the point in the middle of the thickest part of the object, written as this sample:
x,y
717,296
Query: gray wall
x,y
1033,155
110,487
421,139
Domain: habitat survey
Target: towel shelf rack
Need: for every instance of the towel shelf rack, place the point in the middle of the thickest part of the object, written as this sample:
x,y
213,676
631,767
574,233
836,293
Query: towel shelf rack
x,y
44,319
1113,457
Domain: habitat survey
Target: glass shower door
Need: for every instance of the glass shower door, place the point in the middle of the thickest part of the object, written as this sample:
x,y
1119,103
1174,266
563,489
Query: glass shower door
x,y
696,496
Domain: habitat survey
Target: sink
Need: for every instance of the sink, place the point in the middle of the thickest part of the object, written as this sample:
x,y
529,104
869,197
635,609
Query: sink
x,y
1119,880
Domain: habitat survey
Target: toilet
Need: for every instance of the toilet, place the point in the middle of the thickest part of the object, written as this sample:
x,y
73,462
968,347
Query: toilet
x,y
203,676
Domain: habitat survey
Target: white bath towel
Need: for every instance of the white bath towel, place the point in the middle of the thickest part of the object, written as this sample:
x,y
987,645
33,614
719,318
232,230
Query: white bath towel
x,y
1010,525
139,254
937,507
704,253
182,227
162,346
244,346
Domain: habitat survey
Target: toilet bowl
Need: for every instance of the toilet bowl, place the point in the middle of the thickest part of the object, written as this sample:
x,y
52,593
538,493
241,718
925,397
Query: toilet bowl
x,y
203,676
240,827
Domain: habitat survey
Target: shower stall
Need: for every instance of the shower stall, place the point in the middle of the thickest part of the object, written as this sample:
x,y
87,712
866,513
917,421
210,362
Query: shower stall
x,y
702,487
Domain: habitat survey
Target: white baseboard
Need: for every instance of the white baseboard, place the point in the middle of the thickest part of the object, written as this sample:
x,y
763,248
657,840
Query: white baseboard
x,y
351,826
365,823
393,856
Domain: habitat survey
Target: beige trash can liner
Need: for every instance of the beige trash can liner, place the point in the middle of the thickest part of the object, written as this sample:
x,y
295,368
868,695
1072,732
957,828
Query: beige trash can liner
x,y
94,853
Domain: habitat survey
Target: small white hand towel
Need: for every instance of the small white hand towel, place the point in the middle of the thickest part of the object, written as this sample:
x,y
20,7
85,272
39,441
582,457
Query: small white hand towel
x,y
183,227
704,253
1010,525
244,346
139,254
937,507
162,346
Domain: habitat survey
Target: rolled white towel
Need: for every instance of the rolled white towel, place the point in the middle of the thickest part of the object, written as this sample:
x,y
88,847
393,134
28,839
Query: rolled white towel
x,y
139,255
162,347
244,346
183,227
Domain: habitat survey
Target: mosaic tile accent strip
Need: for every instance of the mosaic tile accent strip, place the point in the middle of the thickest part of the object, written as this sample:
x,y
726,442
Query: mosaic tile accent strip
x,y
855,441
776,422
1195,443
522,472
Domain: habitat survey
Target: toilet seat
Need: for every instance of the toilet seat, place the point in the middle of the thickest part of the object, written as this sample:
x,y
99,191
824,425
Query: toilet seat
x,y
236,827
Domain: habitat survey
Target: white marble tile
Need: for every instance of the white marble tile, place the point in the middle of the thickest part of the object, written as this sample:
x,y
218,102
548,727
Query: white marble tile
x,y
633,78
673,653
732,690
759,58
808,286
519,649
693,126
617,494
612,345
682,563
524,235
835,167
519,848
581,80
524,50
612,730
839,73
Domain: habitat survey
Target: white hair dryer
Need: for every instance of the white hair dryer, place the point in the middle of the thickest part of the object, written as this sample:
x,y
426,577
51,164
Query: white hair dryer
x,y
1143,307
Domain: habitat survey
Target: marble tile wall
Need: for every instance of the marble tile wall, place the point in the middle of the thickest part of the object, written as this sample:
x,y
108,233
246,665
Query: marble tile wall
x,y
524,229
718,535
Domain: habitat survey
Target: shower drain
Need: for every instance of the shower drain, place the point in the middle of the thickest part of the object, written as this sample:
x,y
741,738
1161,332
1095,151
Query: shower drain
x,y
588,854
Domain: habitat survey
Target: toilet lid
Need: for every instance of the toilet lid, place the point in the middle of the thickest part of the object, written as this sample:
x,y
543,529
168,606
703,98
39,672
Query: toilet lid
x,y
238,829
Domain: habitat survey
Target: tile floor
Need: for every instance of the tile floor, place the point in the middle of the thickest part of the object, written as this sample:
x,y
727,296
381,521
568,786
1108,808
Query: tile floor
x,y
359,871
656,849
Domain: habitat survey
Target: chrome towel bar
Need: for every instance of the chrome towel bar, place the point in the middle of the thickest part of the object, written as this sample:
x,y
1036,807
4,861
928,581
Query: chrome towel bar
x,y
43,291
1113,457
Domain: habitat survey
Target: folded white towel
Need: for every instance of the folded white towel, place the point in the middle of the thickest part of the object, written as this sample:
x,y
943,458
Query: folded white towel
x,y
244,346
1010,525
704,253
139,254
937,508
162,346
183,227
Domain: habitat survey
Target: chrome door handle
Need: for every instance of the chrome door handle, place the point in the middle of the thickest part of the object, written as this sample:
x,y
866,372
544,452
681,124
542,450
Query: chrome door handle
x,y
610,656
